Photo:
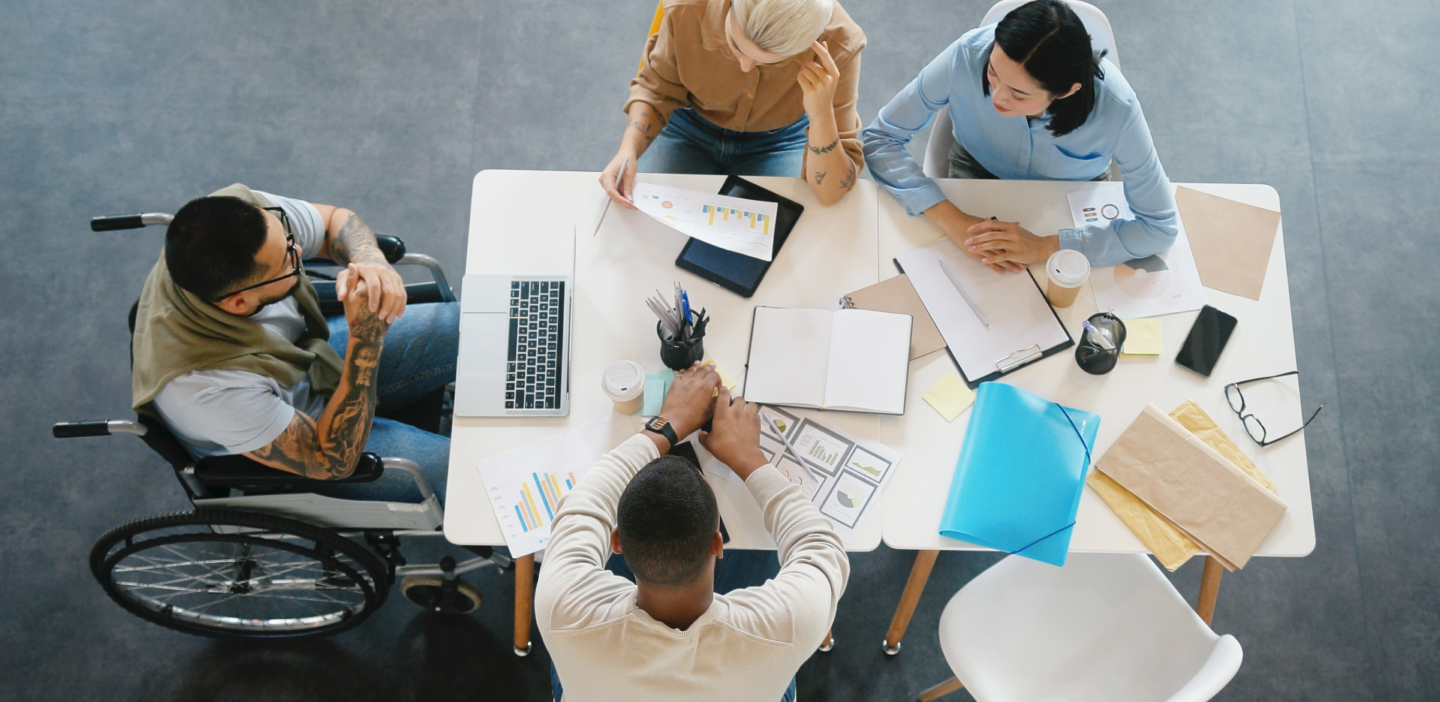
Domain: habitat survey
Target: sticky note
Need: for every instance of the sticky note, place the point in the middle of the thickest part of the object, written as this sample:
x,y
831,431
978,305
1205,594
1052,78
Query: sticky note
x,y
724,379
950,397
1142,338
656,385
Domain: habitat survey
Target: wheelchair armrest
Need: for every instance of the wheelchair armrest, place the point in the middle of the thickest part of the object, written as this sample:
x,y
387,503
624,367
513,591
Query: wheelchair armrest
x,y
237,471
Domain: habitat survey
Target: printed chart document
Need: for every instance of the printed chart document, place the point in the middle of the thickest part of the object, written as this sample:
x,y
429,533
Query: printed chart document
x,y
849,473
525,484
1021,326
1164,283
851,360
735,224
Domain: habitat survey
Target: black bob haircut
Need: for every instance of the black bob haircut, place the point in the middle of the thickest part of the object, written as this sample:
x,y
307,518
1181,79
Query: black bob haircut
x,y
211,244
1050,41
667,519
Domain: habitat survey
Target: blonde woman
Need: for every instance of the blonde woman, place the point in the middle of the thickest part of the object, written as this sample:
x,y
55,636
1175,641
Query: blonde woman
x,y
746,87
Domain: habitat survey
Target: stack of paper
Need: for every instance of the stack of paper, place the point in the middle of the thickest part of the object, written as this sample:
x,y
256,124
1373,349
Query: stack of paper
x,y
1202,495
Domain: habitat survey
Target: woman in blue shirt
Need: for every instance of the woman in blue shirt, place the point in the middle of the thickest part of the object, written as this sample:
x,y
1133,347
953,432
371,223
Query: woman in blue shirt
x,y
1030,100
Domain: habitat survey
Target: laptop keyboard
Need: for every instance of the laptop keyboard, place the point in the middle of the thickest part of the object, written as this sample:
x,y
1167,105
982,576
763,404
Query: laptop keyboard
x,y
532,371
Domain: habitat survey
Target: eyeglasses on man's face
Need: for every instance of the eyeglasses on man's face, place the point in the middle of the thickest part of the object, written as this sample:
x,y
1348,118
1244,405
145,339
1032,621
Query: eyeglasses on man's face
x,y
292,255
1253,426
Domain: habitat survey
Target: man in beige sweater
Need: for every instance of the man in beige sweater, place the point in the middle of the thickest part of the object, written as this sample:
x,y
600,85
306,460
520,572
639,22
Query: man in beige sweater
x,y
669,635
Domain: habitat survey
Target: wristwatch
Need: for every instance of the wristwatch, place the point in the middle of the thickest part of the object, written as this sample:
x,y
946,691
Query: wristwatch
x,y
661,426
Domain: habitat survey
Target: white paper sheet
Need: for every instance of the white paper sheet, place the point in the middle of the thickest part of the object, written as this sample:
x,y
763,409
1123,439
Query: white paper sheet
x,y
735,224
524,483
1018,314
1165,283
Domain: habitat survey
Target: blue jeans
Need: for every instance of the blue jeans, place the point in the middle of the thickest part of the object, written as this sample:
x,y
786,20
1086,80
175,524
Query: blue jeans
x,y
419,358
738,569
690,143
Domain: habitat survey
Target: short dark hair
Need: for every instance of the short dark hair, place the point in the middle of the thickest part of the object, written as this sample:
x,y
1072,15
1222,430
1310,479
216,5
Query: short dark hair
x,y
211,244
667,518
1050,41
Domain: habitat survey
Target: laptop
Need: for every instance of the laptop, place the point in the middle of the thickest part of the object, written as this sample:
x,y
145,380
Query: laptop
x,y
514,346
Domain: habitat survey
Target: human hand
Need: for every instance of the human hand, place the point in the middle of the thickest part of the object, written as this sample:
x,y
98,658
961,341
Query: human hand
x,y
622,195
817,80
387,296
691,399
734,438
1008,245
364,321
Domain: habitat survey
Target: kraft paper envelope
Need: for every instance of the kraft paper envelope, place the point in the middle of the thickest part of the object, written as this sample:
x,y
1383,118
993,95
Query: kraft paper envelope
x,y
1217,505
897,295
1231,240
1170,545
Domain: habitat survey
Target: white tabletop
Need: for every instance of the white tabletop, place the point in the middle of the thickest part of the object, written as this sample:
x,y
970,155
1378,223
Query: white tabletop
x,y
541,222
1263,344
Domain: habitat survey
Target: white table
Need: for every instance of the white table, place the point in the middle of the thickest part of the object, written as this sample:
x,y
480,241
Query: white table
x,y
1263,344
536,222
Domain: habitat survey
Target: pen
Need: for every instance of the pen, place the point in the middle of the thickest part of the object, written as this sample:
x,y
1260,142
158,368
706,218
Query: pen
x,y
790,449
623,165
685,305
961,288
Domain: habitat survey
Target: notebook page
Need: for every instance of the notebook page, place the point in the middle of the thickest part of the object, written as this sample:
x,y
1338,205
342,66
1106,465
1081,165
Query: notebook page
x,y
869,361
789,352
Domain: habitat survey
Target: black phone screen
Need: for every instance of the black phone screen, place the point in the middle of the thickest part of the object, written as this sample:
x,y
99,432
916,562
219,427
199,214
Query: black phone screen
x,y
1206,340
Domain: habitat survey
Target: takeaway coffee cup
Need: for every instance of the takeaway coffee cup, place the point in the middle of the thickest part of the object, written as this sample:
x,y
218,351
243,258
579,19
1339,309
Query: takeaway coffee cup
x,y
1067,270
624,383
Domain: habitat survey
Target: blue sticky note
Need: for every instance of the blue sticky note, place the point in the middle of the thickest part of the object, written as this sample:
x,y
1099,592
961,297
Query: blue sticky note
x,y
656,385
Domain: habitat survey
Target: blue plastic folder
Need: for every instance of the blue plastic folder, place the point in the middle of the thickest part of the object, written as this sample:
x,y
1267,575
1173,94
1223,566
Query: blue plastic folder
x,y
1018,481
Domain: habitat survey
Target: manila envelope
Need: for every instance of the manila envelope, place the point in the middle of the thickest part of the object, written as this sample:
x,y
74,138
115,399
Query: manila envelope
x,y
1217,505
1231,240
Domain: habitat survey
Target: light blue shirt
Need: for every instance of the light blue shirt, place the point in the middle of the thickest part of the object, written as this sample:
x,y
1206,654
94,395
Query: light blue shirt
x,y
1015,148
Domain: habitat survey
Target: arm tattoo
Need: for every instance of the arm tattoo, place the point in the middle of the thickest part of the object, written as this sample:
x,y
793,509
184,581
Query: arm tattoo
x,y
849,177
355,243
644,129
817,150
820,177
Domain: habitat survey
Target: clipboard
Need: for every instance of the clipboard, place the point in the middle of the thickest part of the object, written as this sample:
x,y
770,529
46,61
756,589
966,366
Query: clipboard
x,y
1016,308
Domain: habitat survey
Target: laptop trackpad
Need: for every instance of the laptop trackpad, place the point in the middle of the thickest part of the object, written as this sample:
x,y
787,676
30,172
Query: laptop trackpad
x,y
484,339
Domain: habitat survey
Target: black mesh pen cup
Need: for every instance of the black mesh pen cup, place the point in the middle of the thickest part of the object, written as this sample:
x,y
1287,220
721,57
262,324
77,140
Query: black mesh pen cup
x,y
1095,359
680,355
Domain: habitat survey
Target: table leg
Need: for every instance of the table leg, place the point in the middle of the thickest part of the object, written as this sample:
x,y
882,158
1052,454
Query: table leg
x,y
829,642
914,586
524,602
940,690
1209,589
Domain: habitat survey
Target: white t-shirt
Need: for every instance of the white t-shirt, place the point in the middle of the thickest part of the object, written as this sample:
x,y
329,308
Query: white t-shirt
x,y
746,647
218,412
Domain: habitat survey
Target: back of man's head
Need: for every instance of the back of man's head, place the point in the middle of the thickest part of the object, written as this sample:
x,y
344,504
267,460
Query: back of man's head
x,y
211,244
667,520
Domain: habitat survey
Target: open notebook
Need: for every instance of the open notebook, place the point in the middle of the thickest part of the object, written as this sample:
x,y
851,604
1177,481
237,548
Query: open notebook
x,y
850,360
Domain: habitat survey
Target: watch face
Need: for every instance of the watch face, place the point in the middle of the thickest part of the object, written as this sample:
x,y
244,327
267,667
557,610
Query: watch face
x,y
656,424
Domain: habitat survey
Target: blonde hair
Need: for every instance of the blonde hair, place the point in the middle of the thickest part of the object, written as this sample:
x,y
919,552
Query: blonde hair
x,y
782,27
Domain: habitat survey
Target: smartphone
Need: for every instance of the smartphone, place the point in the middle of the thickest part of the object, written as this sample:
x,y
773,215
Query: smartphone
x,y
1206,340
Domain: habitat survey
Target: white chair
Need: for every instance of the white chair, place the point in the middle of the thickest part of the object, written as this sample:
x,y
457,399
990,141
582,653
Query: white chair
x,y
1104,627
942,134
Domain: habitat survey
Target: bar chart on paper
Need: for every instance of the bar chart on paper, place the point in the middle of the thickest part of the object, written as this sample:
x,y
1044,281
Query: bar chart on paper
x,y
536,501
731,223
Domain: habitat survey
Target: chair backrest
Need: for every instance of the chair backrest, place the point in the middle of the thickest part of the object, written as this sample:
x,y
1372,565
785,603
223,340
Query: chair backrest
x,y
942,133
1104,627
654,27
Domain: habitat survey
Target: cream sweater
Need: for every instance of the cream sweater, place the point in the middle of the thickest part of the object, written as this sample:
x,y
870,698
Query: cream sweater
x,y
749,643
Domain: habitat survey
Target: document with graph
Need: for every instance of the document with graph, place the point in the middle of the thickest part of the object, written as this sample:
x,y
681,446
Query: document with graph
x,y
849,360
845,475
746,227
525,484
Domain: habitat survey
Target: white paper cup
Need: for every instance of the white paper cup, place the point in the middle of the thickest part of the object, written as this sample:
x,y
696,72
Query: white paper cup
x,y
1067,270
624,383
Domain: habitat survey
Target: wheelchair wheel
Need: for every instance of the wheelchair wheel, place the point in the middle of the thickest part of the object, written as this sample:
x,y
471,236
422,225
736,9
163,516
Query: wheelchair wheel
x,y
239,575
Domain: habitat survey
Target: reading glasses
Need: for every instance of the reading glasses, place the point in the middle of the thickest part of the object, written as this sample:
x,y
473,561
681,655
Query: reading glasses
x,y
1253,426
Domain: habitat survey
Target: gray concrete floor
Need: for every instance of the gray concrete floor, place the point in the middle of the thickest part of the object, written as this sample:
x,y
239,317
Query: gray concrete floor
x,y
390,108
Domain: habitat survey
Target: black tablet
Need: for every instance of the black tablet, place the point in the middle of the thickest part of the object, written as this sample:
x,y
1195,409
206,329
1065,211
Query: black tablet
x,y
735,272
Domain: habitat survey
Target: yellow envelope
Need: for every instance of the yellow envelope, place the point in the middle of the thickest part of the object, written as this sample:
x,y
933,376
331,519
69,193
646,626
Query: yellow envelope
x,y
1142,338
949,396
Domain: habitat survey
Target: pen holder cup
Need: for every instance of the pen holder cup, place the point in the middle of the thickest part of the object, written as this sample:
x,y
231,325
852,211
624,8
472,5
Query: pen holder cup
x,y
680,355
1096,360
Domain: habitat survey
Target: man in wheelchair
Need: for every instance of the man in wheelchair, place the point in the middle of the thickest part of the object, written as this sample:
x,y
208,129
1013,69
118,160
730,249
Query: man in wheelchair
x,y
232,353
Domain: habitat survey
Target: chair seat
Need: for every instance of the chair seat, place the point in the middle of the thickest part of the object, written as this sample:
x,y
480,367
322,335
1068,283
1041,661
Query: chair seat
x,y
237,471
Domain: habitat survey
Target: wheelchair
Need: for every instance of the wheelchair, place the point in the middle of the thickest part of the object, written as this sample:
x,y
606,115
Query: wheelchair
x,y
261,556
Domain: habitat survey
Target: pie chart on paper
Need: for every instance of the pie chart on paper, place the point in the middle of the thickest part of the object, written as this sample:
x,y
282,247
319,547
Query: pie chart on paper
x,y
1143,278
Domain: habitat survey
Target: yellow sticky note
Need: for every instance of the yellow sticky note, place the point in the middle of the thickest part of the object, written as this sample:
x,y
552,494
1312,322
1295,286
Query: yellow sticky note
x,y
1142,338
724,379
950,397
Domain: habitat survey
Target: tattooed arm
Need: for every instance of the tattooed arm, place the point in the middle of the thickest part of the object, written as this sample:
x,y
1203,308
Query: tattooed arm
x,y
349,240
642,124
829,170
330,448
